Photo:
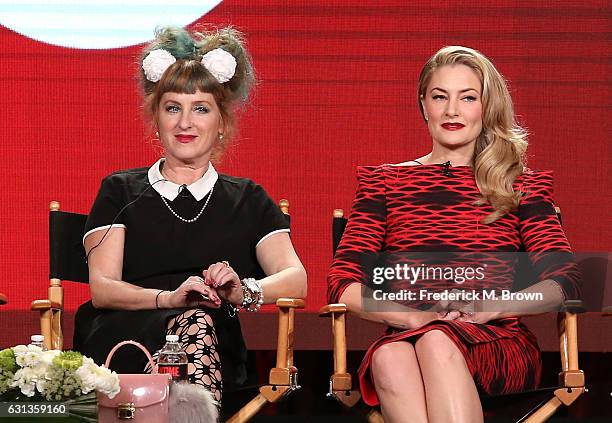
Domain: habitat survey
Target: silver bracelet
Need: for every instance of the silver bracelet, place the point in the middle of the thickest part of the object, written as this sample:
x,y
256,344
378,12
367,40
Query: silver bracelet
x,y
232,311
252,294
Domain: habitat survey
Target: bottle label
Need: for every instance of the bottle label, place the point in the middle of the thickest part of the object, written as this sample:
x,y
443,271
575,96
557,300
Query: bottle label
x,y
178,371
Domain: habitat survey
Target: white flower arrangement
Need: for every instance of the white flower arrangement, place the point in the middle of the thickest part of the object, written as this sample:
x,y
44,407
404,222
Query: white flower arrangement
x,y
97,378
27,373
220,64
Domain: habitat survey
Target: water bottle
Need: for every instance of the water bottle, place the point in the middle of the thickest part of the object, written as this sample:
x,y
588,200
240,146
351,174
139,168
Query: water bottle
x,y
172,359
39,341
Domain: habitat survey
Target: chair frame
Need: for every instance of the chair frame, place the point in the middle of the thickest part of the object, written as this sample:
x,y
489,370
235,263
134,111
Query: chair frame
x,y
51,308
571,378
283,377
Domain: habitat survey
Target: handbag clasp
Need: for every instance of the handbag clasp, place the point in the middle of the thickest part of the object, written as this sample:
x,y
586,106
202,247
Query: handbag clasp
x,y
126,411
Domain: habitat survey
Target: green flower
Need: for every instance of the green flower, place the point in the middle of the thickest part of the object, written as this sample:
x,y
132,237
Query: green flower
x,y
61,385
68,360
7,360
5,379
60,380
8,367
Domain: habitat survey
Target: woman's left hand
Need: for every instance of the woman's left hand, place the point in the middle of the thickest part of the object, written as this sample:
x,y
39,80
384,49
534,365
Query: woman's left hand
x,y
451,310
480,317
468,312
225,280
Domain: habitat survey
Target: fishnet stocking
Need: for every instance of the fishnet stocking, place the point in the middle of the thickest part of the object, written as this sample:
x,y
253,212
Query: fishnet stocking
x,y
198,339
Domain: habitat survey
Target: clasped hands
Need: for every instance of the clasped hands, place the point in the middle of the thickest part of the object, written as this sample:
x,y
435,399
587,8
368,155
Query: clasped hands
x,y
218,282
466,311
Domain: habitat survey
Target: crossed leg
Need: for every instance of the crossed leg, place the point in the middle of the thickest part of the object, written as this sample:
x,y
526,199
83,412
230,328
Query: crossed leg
x,y
397,379
199,340
450,391
429,381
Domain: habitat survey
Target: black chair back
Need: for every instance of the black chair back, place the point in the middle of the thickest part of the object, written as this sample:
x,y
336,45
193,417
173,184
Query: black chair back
x,y
67,259
338,226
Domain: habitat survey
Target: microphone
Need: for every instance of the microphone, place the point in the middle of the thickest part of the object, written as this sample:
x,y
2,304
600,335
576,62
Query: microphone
x,y
446,169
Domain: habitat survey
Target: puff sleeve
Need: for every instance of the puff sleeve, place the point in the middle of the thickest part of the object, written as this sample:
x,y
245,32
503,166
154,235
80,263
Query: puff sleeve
x,y
106,207
268,217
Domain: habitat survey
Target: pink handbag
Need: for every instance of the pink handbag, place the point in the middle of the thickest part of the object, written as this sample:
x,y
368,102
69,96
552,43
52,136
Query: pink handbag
x,y
143,397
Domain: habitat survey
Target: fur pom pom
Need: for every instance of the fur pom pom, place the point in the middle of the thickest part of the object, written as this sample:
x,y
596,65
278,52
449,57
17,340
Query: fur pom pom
x,y
192,403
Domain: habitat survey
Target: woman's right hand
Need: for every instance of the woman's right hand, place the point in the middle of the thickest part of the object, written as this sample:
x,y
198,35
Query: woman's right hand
x,y
421,318
192,293
418,319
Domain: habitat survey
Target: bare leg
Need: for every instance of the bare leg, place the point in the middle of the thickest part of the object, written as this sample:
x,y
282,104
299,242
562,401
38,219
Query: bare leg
x,y
449,387
398,383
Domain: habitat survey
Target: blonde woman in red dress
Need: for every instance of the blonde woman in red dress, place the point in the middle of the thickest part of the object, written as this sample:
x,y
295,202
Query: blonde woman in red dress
x,y
472,192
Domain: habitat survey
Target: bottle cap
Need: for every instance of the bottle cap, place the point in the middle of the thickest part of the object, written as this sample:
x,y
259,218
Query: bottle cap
x,y
37,338
171,338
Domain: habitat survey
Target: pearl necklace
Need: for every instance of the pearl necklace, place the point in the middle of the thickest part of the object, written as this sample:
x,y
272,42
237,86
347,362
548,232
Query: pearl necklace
x,y
192,219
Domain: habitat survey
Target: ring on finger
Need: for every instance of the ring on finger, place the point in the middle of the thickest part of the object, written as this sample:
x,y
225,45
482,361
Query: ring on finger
x,y
226,263
200,279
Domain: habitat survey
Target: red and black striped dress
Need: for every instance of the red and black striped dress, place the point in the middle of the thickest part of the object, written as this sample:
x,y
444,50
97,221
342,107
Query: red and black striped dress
x,y
420,208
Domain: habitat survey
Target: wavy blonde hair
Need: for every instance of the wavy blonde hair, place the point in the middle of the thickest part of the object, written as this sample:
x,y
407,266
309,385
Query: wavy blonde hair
x,y
499,154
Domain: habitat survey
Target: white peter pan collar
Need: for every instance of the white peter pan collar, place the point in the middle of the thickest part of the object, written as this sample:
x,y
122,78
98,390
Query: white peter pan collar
x,y
170,190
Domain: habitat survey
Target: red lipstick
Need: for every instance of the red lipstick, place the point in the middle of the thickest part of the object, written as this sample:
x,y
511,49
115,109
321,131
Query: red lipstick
x,y
452,126
184,138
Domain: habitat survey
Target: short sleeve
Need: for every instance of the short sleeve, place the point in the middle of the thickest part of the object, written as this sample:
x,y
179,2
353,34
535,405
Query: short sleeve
x,y
268,216
106,207
365,232
542,234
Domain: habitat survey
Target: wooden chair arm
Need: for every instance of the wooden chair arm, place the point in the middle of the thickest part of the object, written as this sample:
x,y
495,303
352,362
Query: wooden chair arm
x,y
568,340
332,308
43,305
340,380
285,371
50,322
3,299
283,377
571,378
574,306
290,302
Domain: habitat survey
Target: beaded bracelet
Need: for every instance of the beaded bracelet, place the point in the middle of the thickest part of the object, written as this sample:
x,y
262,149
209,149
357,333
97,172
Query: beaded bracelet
x,y
252,294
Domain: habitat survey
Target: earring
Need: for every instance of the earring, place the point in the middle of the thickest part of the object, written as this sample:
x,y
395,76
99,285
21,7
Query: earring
x,y
220,136
426,118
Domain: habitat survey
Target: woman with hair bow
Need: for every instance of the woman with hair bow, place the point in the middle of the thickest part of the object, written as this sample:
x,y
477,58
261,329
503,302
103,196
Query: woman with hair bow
x,y
177,248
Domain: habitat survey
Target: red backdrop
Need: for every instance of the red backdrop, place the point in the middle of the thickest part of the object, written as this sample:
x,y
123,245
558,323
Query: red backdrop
x,y
338,81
